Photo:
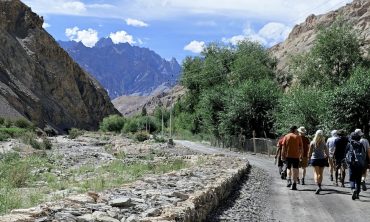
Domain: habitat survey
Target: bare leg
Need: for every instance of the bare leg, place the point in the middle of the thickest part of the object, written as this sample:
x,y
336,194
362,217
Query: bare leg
x,y
295,174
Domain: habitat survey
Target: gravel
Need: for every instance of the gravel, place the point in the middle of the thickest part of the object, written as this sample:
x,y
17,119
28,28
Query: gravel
x,y
249,201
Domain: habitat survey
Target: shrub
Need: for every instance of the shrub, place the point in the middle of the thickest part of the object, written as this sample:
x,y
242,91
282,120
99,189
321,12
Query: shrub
x,y
4,136
131,126
8,123
74,133
2,121
12,132
30,138
113,123
23,123
159,139
141,136
46,144
141,123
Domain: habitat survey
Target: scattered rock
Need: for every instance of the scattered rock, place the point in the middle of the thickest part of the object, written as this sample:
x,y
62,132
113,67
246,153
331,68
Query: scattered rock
x,y
121,202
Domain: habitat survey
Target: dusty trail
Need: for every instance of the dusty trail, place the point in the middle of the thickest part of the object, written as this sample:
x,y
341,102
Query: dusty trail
x,y
332,204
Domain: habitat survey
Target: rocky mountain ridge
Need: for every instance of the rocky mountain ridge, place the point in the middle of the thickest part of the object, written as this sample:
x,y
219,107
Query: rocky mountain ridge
x,y
124,69
38,79
302,36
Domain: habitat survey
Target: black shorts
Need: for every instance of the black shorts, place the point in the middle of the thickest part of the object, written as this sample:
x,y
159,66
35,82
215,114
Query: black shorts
x,y
292,162
319,162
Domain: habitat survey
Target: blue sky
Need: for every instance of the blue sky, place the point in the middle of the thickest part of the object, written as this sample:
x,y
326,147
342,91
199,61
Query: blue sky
x,y
176,28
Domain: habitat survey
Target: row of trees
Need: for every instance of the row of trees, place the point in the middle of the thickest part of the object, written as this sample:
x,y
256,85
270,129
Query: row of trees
x,y
233,90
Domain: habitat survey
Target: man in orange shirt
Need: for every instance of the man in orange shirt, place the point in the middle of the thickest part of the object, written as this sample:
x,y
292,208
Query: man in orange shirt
x,y
291,153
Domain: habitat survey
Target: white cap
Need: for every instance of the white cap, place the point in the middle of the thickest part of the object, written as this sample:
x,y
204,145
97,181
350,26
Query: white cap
x,y
302,129
334,133
359,132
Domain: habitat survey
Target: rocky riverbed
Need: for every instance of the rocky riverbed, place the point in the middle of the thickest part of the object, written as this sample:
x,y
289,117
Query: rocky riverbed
x,y
194,185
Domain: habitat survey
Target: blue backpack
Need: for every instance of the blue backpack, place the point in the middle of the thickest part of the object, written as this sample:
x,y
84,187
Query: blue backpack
x,y
356,155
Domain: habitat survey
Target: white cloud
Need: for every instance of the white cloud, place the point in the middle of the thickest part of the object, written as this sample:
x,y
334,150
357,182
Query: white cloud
x,y
101,6
141,42
269,35
69,7
136,23
286,11
121,37
195,46
274,32
46,25
206,23
88,37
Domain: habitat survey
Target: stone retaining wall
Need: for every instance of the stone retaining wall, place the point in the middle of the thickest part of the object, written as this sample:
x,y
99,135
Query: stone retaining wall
x,y
186,195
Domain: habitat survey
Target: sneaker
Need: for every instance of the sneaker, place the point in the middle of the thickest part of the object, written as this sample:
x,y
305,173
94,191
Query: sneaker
x,y
303,181
354,195
357,195
298,181
331,177
294,186
289,183
336,184
318,190
363,185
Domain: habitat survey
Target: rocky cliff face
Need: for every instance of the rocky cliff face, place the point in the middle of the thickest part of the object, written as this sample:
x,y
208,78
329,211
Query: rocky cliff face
x,y
303,35
124,69
38,79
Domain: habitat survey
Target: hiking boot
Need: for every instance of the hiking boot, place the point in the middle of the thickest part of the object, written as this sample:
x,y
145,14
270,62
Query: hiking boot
x,y
354,195
303,181
331,177
318,190
283,176
294,186
363,185
289,183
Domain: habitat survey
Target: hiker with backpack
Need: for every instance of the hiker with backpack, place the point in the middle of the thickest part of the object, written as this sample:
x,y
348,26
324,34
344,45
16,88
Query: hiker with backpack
x,y
291,153
304,159
319,154
366,145
356,158
339,157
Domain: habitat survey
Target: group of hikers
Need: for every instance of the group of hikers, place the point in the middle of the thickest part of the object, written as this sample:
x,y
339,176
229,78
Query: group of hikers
x,y
339,152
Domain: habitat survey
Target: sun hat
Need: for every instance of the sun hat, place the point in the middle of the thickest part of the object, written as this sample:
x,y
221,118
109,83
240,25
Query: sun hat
x,y
302,129
359,132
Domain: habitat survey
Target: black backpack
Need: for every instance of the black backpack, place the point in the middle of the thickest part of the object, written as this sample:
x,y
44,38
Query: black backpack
x,y
356,155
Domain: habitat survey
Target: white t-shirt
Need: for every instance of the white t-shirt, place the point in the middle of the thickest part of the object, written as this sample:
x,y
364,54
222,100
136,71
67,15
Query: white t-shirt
x,y
330,145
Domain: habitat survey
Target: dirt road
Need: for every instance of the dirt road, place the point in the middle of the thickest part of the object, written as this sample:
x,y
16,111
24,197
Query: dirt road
x,y
332,204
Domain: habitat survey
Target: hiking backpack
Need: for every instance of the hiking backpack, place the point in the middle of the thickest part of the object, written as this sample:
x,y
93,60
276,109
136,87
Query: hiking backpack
x,y
355,156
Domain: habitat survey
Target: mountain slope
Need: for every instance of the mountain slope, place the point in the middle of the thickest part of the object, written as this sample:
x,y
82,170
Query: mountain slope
x,y
39,81
303,35
124,69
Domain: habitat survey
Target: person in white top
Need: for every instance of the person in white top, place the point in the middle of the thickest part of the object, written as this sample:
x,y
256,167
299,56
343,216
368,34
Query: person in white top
x,y
331,147
366,145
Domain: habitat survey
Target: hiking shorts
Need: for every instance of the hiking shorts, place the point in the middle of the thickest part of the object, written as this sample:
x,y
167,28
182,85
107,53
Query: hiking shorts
x,y
292,162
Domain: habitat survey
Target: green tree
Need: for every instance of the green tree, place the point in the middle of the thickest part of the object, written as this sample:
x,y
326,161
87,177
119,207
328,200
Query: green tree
x,y
335,54
302,107
249,107
349,106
